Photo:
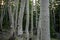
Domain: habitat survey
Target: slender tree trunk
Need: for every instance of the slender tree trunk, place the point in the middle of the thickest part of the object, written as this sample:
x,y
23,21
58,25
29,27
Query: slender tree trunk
x,y
44,20
2,15
38,25
11,18
32,20
16,15
16,9
36,12
20,20
27,20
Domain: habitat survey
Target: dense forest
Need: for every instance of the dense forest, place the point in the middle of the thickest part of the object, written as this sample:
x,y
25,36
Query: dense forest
x,y
29,20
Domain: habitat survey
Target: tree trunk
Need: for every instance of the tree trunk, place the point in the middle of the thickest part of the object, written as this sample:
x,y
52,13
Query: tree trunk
x,y
20,19
32,20
16,16
1,17
44,20
11,18
27,20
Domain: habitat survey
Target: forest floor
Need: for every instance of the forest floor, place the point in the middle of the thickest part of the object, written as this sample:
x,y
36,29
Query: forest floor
x,y
53,39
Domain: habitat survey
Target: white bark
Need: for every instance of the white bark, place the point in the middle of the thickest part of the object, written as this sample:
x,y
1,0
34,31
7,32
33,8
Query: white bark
x,y
32,20
20,20
44,20
27,20
11,18
16,2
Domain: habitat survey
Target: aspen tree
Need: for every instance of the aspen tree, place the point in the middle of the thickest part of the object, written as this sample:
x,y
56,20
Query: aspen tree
x,y
20,18
27,20
44,21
